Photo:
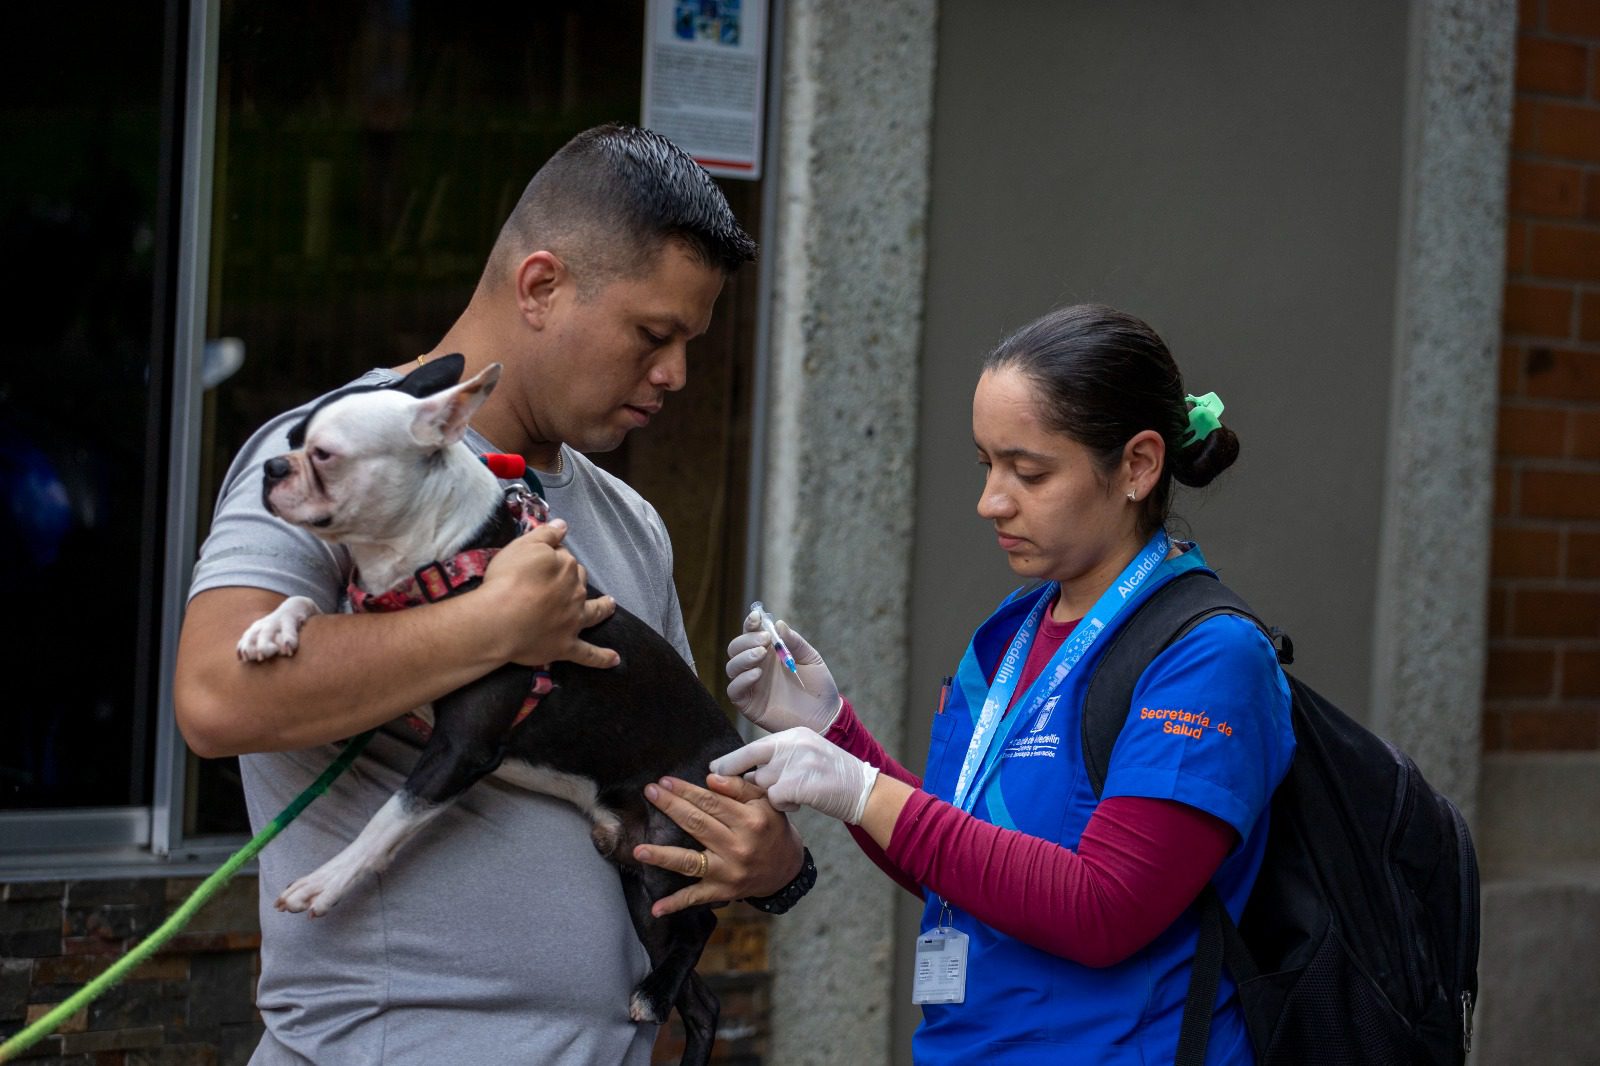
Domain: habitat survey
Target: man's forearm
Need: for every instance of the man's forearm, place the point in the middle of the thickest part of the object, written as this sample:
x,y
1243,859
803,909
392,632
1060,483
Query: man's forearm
x,y
353,672
350,673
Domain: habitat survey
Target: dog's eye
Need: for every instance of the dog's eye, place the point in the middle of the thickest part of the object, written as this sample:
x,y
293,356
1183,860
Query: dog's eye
x,y
320,455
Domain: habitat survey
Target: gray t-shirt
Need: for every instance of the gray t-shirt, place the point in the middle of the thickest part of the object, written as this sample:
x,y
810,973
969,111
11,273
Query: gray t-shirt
x,y
498,935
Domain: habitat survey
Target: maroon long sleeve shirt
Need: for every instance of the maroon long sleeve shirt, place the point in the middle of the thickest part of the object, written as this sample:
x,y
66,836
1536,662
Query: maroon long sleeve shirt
x,y
1139,863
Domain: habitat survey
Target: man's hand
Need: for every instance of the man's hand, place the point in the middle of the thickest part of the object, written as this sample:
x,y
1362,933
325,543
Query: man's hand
x,y
750,849
540,595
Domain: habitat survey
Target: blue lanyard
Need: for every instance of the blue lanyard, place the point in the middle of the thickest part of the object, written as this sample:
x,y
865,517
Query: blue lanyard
x,y
983,754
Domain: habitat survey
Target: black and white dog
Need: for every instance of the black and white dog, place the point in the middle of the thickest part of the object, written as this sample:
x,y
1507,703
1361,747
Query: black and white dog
x,y
383,471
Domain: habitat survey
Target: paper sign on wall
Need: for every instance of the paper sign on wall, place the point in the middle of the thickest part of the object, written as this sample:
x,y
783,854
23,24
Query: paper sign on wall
x,y
705,80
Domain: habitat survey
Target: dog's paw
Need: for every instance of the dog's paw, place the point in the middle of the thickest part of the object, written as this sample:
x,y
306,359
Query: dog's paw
x,y
641,1008
269,637
316,892
278,633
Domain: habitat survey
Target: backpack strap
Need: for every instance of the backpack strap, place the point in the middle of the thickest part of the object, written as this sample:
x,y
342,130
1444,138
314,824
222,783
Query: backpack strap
x,y
1219,944
1204,976
1171,612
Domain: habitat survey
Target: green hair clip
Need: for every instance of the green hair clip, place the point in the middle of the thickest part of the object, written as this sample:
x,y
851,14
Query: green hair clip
x,y
1204,417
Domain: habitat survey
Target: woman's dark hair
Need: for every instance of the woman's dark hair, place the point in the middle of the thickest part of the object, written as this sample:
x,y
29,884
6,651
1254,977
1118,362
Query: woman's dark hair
x,y
1103,376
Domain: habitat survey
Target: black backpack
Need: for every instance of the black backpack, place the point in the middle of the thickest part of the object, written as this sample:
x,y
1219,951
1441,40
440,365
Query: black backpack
x,y
1359,942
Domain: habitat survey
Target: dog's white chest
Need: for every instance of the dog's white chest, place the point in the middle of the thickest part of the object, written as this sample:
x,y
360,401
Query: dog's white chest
x,y
578,791
575,789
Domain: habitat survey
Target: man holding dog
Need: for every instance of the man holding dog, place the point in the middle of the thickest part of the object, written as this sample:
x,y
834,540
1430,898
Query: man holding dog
x,y
503,936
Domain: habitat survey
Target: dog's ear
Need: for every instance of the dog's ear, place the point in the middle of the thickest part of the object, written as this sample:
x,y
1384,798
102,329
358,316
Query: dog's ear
x,y
441,420
433,376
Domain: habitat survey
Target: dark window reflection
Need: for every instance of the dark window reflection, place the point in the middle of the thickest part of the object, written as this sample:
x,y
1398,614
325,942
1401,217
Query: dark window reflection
x,y
366,153
81,219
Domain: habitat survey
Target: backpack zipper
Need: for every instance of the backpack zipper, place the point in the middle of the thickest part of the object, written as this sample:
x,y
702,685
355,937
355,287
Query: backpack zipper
x,y
1466,857
1405,802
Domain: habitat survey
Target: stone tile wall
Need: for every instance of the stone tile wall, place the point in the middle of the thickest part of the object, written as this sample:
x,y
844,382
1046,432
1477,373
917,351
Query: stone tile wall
x,y
193,1004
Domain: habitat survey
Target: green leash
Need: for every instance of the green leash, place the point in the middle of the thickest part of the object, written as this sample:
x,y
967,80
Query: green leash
x,y
180,917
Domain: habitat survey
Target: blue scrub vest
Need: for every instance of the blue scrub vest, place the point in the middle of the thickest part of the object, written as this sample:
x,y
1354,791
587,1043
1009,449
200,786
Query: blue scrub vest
x,y
1209,726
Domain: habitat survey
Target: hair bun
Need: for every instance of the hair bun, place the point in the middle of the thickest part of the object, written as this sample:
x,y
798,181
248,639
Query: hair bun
x,y
1197,464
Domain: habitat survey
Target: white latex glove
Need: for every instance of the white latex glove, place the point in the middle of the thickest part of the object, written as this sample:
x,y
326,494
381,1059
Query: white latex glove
x,y
767,693
798,768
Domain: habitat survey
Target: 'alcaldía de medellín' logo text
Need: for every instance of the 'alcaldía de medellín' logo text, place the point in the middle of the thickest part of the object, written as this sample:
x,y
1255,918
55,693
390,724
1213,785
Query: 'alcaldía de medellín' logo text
x,y
1135,579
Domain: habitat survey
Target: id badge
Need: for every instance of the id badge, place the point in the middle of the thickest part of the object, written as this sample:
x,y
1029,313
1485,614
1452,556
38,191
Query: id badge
x,y
941,975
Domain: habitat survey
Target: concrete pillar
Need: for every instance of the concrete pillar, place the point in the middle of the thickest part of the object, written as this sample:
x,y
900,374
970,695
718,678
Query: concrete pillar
x,y
840,464
1434,571
1538,969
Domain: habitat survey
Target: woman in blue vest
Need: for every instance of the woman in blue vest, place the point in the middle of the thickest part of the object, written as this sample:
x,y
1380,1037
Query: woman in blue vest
x,y
1057,927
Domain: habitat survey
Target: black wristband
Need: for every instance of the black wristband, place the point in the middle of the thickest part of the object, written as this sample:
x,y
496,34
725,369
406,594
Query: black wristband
x,y
789,894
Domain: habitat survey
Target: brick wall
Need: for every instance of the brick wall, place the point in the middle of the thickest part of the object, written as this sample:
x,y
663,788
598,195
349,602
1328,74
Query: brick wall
x,y
1542,690
194,1003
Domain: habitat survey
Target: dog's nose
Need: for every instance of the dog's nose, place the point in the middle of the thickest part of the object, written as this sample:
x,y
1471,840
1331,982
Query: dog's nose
x,y
277,468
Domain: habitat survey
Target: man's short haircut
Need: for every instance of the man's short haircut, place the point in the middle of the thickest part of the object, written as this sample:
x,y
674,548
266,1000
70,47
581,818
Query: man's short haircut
x,y
611,199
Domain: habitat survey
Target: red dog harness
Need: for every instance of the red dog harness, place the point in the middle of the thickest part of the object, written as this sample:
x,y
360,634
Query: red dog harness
x,y
461,572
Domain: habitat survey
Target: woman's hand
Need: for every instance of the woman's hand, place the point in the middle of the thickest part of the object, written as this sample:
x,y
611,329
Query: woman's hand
x,y
750,849
799,768
767,693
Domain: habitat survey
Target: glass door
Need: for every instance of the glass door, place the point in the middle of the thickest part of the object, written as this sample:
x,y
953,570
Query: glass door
x,y
88,120
366,153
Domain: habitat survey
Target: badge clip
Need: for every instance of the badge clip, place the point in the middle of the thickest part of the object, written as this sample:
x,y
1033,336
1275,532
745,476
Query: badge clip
x,y
941,973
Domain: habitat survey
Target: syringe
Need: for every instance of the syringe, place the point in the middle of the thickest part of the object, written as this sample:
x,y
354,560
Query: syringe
x,y
778,646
